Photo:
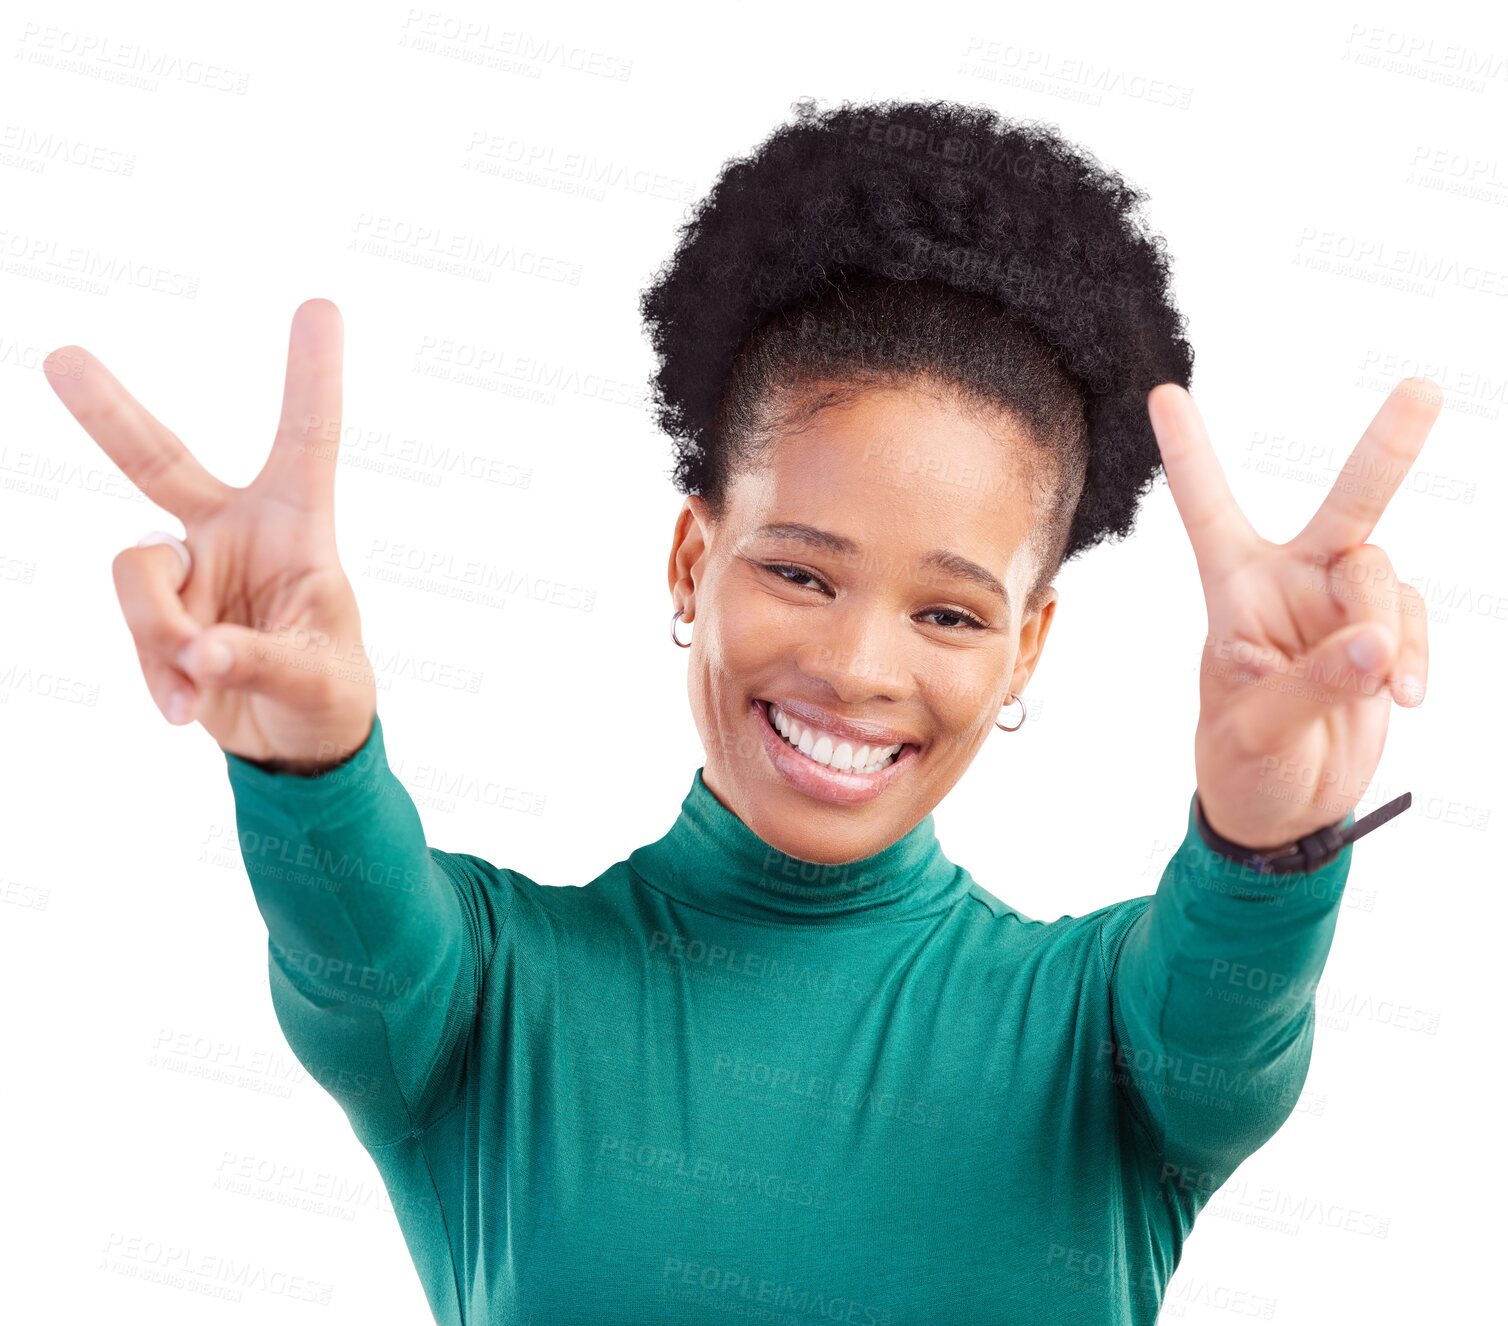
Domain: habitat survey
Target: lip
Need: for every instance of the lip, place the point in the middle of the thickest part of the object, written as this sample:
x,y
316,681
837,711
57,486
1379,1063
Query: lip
x,y
848,729
816,780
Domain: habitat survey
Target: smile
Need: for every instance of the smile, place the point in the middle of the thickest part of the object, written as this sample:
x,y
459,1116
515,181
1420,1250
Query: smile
x,y
834,752
829,768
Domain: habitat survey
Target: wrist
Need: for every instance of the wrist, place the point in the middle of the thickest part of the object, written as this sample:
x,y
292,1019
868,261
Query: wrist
x,y
1243,831
1302,854
299,768
314,766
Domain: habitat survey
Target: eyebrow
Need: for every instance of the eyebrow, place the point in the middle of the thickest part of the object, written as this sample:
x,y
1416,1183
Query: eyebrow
x,y
951,563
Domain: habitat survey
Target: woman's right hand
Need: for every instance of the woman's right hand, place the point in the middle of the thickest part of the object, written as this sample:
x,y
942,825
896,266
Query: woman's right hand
x,y
266,595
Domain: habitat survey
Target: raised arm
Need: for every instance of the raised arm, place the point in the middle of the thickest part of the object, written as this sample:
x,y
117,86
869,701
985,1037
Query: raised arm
x,y
1212,995
1309,644
249,626
376,942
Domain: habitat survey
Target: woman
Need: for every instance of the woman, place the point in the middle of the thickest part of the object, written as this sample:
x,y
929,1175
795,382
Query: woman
x,y
787,1060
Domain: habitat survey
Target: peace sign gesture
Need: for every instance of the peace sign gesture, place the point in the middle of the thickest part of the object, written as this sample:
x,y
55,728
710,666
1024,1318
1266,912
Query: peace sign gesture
x,y
1309,641
260,639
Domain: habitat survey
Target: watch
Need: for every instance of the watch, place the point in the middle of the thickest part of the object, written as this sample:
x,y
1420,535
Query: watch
x,y
1304,854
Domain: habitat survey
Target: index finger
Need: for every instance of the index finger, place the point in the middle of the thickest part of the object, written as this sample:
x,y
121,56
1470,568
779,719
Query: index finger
x,y
301,465
1216,526
148,453
1373,471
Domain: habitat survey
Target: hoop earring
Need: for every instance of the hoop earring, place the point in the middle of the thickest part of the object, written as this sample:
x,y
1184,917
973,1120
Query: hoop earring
x,y
675,617
1022,703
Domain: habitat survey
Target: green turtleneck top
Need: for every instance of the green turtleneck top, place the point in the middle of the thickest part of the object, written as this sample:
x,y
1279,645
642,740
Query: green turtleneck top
x,y
719,1082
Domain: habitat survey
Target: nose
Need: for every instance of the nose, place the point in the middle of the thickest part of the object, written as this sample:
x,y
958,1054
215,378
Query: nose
x,y
861,654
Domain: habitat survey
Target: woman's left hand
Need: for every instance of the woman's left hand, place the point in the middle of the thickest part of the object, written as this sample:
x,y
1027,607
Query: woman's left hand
x,y
1309,641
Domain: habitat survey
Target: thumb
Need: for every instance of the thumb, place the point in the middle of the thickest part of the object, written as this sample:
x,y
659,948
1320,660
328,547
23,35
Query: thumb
x,y
240,658
1348,664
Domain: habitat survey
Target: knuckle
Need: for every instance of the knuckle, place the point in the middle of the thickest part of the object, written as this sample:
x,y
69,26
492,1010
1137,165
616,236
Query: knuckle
x,y
1364,578
153,632
125,566
1367,555
1383,563
158,686
135,611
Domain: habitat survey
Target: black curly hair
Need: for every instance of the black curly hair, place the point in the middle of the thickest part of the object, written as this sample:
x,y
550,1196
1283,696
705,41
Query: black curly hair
x,y
923,244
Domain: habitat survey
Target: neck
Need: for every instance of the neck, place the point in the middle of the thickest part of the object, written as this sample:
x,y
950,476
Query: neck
x,y
711,859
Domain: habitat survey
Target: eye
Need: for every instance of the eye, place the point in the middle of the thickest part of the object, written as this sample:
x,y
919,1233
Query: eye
x,y
966,620
779,568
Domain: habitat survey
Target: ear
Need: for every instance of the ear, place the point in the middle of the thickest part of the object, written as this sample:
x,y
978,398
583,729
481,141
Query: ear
x,y
688,544
1033,638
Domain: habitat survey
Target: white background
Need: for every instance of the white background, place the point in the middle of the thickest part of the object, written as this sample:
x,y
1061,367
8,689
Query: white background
x,y
1311,157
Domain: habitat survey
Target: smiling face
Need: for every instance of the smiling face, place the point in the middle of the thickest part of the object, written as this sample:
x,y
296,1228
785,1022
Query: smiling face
x,y
873,572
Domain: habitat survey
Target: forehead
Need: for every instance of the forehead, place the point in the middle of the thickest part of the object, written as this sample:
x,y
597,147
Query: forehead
x,y
898,466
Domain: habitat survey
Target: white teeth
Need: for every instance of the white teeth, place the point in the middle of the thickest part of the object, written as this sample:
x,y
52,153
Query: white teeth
x,y
819,746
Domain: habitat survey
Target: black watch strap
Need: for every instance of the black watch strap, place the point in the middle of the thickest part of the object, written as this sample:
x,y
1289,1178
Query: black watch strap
x,y
1308,853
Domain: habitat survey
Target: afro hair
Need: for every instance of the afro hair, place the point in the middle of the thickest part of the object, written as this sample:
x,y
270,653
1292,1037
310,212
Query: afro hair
x,y
899,241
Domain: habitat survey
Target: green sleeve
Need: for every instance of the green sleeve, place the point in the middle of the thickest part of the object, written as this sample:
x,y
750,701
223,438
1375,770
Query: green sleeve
x,y
377,943
1212,993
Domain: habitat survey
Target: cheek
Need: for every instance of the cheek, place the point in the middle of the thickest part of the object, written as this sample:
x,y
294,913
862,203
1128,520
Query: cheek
x,y
746,640
736,654
962,696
